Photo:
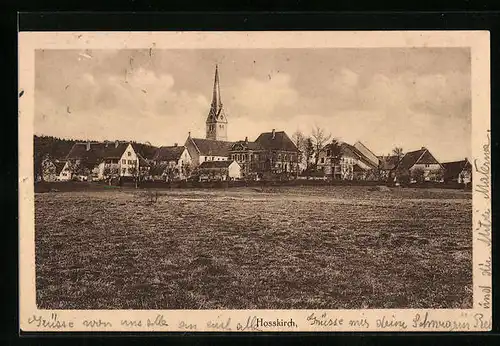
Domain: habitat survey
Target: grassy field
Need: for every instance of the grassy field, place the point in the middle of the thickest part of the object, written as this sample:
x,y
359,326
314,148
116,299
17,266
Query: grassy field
x,y
244,248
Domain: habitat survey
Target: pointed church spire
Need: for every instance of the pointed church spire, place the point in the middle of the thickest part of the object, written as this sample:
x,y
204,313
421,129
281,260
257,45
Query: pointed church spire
x,y
216,120
216,100
216,109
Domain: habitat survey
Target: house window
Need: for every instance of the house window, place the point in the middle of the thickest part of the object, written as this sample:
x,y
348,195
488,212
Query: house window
x,y
243,157
427,165
124,161
237,157
123,170
328,152
322,160
129,153
205,158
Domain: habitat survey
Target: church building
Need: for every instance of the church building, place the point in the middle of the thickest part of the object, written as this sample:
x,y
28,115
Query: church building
x,y
215,146
272,154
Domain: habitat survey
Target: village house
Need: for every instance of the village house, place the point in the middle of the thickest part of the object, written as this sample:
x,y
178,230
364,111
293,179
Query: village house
x,y
103,160
458,171
201,150
352,165
55,170
271,154
418,166
219,170
387,167
171,163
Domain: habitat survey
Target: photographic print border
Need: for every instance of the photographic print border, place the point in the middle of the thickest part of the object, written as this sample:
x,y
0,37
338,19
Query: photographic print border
x,y
476,319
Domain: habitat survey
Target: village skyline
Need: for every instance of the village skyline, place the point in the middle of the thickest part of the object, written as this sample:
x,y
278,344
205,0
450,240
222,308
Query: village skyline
x,y
161,96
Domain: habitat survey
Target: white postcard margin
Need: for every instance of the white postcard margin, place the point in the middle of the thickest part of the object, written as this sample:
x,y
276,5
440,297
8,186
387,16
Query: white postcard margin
x,y
476,319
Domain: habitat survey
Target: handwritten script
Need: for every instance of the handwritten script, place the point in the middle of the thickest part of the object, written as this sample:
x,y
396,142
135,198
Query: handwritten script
x,y
483,168
53,322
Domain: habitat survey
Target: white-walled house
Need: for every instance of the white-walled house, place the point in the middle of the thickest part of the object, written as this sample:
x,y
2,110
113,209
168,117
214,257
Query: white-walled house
x,y
353,163
202,150
55,170
420,161
219,170
105,159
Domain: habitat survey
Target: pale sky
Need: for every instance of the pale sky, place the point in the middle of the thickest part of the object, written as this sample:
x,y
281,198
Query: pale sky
x,y
384,97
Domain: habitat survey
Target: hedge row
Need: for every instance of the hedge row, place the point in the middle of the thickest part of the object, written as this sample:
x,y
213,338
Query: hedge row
x,y
94,186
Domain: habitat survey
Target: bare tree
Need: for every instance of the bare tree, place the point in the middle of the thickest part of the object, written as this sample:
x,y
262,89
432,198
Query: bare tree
x,y
398,151
319,139
300,140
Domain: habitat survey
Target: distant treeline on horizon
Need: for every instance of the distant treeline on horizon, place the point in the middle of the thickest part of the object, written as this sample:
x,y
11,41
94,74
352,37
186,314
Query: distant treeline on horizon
x,y
58,148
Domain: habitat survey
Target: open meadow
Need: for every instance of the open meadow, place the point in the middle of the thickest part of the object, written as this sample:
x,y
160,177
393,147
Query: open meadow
x,y
249,248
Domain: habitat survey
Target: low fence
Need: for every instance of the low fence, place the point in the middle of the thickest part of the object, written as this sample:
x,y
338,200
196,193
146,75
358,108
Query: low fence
x,y
41,187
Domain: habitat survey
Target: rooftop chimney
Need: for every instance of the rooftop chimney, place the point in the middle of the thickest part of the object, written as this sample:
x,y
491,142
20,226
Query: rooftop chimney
x,y
116,144
189,134
423,148
175,144
88,145
274,133
246,139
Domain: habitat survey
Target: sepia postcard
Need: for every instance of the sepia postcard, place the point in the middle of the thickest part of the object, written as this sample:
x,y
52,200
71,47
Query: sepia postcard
x,y
255,181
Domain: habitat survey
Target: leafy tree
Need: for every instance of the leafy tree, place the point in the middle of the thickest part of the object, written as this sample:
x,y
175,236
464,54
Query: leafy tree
x,y
418,175
171,172
308,151
335,151
187,169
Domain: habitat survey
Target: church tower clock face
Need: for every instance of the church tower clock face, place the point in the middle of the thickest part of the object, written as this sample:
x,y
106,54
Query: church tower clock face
x,y
216,123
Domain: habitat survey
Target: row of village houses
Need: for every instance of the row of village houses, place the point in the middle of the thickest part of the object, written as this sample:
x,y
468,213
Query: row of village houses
x,y
273,154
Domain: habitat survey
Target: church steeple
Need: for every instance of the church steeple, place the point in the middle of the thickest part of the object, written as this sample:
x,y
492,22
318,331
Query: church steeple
x,y
216,120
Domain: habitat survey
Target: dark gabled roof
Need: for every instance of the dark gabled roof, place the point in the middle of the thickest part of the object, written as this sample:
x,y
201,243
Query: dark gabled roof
x,y
350,149
357,168
142,161
281,141
107,150
453,169
209,147
246,145
388,162
172,153
411,158
157,170
59,166
216,164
